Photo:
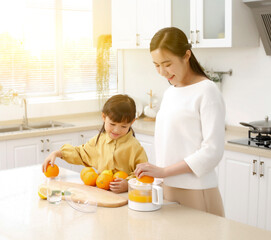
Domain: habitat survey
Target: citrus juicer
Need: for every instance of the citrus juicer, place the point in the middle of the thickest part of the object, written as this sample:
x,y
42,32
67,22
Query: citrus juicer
x,y
144,196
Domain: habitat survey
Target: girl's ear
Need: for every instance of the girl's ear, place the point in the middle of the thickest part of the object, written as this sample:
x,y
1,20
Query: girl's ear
x,y
103,116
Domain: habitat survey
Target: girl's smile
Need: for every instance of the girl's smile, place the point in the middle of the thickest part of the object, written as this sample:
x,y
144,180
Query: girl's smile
x,y
115,130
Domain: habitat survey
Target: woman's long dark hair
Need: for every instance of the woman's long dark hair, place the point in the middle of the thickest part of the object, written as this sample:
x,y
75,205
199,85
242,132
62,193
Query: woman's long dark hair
x,y
119,108
174,40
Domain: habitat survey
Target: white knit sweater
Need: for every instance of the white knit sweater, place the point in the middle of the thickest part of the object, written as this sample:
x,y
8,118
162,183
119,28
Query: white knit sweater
x,y
190,126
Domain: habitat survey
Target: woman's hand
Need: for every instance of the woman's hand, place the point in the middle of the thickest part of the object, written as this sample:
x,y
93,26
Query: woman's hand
x,y
50,159
119,185
147,169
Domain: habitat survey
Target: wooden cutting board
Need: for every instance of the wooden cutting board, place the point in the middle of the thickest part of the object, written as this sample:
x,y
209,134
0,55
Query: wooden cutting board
x,y
103,198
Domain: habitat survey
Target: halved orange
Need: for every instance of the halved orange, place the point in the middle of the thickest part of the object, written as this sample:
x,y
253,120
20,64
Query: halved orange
x,y
146,179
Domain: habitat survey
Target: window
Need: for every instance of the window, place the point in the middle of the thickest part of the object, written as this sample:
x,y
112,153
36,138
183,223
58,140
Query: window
x,y
46,48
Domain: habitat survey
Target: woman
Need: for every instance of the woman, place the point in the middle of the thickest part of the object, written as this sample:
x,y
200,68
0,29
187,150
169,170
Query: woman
x,y
190,126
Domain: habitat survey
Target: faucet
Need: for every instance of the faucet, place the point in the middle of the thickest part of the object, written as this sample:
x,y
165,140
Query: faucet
x,y
25,119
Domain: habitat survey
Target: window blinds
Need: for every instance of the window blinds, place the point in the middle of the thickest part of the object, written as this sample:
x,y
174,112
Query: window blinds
x,y
46,47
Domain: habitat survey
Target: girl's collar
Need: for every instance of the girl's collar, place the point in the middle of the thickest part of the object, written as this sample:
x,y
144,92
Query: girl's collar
x,y
108,139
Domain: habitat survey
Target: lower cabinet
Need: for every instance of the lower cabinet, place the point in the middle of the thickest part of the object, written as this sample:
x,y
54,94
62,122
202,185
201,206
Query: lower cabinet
x,y
30,151
23,152
245,185
147,142
3,156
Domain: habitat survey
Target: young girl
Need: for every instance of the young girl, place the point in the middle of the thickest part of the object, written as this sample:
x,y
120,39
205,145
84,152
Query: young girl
x,y
114,148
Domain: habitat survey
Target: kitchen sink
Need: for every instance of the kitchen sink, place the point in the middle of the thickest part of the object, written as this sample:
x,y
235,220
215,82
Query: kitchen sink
x,y
49,124
13,128
33,126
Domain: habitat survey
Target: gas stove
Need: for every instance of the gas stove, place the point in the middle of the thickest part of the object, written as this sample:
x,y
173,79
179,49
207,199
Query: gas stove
x,y
255,139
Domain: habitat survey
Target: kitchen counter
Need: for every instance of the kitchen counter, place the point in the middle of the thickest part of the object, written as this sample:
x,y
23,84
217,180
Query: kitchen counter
x,y
80,122
93,121
25,216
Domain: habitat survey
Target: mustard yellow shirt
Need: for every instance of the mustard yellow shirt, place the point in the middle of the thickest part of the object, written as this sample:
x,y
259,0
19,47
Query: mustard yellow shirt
x,y
122,154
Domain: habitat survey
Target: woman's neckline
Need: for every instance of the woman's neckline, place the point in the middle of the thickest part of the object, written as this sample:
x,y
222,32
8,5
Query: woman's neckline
x,y
190,85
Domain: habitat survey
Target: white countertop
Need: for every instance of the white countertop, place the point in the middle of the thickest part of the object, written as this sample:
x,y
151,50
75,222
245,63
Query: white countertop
x,y
93,121
25,216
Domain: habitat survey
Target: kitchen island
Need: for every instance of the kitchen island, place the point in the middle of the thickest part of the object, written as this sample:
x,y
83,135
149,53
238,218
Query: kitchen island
x,y
23,215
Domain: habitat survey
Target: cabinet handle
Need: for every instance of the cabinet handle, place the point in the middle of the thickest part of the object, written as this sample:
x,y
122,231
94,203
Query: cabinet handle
x,y
192,37
254,167
48,141
137,40
198,36
42,146
261,169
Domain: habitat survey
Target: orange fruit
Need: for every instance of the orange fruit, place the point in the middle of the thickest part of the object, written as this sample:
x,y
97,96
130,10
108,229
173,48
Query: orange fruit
x,y
146,179
51,172
120,174
89,178
103,181
108,172
84,171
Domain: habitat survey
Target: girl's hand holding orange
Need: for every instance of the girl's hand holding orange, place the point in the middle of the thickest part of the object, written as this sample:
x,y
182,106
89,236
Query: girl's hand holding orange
x,y
51,171
50,159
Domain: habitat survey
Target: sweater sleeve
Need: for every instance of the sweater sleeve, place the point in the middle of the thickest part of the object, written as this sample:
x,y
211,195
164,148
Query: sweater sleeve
x,y
140,157
212,116
80,155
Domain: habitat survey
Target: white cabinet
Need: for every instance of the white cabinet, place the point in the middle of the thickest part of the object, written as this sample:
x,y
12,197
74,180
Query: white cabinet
x,y
29,151
220,23
22,152
147,142
84,137
3,156
207,23
264,204
245,188
55,142
134,22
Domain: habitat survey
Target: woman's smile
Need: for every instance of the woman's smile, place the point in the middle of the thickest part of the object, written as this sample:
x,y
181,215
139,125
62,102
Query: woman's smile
x,y
169,79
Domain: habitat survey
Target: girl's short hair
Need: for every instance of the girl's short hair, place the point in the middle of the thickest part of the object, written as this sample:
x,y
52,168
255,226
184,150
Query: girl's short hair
x,y
119,108
174,40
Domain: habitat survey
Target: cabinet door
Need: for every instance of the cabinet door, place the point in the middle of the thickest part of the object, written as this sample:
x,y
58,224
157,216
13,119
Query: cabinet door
x,y
22,152
55,142
123,23
152,15
241,187
86,136
264,215
3,156
213,23
147,142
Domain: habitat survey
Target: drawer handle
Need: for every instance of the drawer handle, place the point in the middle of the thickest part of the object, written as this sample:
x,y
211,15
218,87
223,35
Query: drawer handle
x,y
192,37
42,146
198,36
254,167
261,169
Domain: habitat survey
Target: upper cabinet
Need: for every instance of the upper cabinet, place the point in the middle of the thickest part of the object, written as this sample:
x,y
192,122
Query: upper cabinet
x,y
207,23
134,22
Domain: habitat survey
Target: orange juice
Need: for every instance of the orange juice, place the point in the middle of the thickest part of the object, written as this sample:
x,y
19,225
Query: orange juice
x,y
140,196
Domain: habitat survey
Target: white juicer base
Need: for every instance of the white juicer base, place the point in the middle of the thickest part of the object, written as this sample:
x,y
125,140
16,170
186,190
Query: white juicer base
x,y
143,207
